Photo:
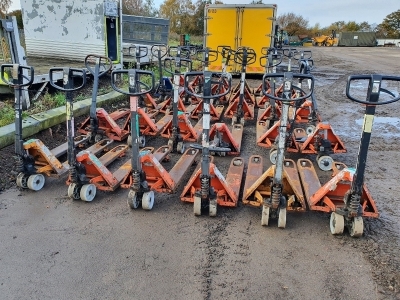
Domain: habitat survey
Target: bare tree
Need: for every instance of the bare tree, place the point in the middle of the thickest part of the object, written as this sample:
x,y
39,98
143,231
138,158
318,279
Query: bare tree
x,y
4,6
292,23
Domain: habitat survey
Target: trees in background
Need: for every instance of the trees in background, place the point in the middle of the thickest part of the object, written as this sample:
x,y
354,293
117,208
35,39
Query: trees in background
x,y
4,6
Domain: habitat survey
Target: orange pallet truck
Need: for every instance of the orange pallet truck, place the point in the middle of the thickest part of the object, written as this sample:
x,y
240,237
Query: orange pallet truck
x,y
101,124
241,105
143,174
279,188
207,187
179,128
34,159
346,196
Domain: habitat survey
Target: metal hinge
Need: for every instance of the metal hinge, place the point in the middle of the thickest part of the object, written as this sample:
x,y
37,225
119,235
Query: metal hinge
x,y
271,19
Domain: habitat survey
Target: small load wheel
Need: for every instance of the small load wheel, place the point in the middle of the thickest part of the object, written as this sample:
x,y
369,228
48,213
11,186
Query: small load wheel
x,y
265,215
234,120
310,129
142,141
242,121
212,209
22,180
180,147
129,141
273,153
148,200
282,218
98,137
88,192
74,191
325,162
336,223
133,200
197,206
356,227
36,182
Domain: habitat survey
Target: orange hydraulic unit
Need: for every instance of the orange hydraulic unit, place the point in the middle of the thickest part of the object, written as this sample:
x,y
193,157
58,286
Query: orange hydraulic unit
x,y
221,136
107,124
215,112
186,129
236,26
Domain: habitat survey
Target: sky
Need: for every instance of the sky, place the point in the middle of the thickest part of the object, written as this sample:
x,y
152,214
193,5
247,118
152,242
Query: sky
x,y
324,12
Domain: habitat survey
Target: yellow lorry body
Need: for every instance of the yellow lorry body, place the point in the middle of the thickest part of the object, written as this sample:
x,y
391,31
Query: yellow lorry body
x,y
242,25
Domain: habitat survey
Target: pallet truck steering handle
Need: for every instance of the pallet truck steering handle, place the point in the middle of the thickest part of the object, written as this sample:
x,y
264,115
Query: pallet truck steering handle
x,y
212,55
193,74
294,76
289,52
17,71
300,55
98,58
240,53
176,60
159,48
67,76
184,51
277,57
374,89
140,51
223,50
133,75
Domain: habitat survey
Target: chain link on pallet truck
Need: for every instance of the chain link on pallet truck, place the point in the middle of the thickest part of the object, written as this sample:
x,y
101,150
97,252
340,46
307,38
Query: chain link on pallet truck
x,y
205,187
19,163
354,204
276,193
136,180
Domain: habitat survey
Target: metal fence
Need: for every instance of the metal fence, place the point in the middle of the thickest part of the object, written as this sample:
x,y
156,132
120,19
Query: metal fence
x,y
144,30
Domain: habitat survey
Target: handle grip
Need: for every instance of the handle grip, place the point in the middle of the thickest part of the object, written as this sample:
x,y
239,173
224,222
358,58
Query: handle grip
x,y
159,50
275,57
288,87
179,51
17,72
241,53
98,58
303,54
220,75
178,64
206,55
133,80
67,76
374,89
140,51
289,52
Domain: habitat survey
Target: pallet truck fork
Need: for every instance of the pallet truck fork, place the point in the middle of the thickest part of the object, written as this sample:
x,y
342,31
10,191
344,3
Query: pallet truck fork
x,y
100,124
278,189
346,196
207,187
241,108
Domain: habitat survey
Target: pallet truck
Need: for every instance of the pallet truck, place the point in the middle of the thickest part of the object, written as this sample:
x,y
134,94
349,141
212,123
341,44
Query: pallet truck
x,y
278,189
163,89
179,129
205,56
207,187
34,159
346,196
100,124
242,104
143,174
79,186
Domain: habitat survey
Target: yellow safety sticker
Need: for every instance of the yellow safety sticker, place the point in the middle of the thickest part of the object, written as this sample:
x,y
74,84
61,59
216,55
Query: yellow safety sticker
x,y
368,121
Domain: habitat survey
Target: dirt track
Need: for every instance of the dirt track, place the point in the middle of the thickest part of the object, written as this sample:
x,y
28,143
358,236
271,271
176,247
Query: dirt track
x,y
53,248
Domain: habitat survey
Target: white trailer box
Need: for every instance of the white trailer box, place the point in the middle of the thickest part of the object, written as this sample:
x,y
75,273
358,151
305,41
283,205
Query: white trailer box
x,y
68,29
